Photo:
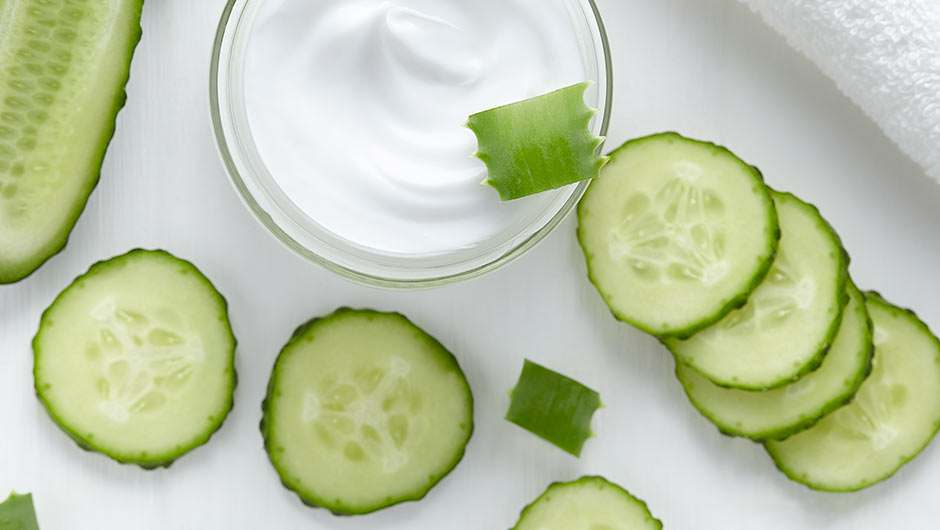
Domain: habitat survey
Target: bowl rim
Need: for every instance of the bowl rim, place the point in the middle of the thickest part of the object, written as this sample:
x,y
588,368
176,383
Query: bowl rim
x,y
598,32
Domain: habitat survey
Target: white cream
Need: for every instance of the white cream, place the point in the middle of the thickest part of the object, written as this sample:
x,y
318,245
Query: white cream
x,y
357,110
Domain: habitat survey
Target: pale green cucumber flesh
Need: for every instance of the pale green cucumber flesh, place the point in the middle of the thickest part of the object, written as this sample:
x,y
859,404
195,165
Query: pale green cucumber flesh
x,y
676,233
63,67
365,410
894,415
135,359
589,503
783,411
788,323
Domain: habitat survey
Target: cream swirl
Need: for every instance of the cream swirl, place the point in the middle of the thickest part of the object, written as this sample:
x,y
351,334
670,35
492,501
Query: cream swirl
x,y
357,109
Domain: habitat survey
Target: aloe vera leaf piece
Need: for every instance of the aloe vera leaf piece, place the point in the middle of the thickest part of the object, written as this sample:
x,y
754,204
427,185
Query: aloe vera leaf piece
x,y
553,407
538,144
17,513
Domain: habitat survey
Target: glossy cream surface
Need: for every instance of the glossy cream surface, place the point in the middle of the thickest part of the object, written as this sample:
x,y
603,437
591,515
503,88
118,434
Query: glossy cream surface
x,y
357,108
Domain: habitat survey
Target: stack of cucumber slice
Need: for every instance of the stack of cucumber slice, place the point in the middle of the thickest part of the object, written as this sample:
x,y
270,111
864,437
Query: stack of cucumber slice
x,y
748,288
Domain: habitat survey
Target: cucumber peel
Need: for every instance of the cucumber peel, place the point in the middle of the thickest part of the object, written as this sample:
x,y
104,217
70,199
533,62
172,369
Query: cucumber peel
x,y
18,513
65,65
538,144
554,407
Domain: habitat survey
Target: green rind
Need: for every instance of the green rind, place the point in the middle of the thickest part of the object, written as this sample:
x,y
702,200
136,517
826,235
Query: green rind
x,y
16,272
822,348
554,407
535,162
784,431
17,513
656,523
872,297
314,501
154,461
733,303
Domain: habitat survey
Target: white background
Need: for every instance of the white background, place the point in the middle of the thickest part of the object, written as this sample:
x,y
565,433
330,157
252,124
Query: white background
x,y
709,69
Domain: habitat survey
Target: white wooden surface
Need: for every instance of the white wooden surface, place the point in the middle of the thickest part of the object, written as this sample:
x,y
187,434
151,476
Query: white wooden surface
x,y
709,69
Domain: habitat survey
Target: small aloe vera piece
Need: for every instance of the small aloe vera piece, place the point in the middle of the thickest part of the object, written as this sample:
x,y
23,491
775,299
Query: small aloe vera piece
x,y
538,144
17,513
553,407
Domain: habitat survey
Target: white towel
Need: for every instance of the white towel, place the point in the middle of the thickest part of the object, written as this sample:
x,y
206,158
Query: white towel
x,y
884,54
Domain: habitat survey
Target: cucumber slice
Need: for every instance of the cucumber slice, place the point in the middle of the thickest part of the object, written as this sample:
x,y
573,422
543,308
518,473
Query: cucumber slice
x,y
589,503
64,65
135,359
556,408
17,513
778,413
676,233
894,415
365,410
789,322
538,144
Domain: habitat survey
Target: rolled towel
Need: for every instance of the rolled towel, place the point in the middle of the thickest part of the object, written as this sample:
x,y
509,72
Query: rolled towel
x,y
884,54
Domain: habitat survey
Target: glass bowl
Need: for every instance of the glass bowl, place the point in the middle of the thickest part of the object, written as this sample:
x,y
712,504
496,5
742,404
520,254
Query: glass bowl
x,y
299,232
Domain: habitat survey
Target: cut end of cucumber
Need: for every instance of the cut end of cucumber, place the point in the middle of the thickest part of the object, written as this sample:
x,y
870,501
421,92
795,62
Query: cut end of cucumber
x,y
589,503
135,359
556,408
538,144
64,67
365,410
